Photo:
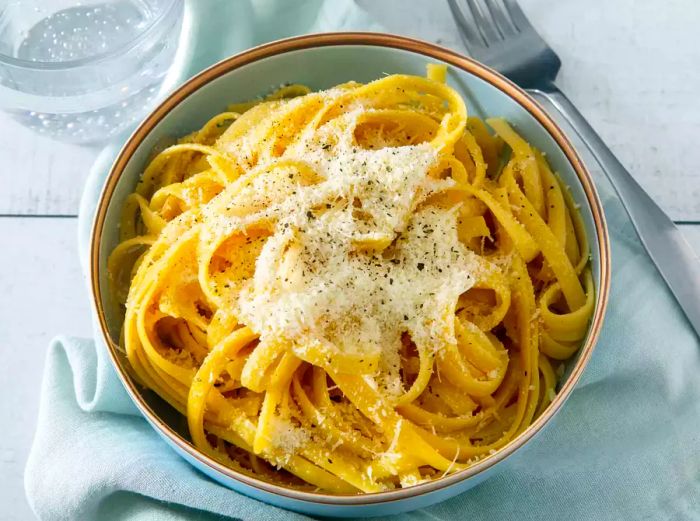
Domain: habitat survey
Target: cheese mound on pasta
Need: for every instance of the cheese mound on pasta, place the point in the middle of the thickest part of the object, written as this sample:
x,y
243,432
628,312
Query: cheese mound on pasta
x,y
355,289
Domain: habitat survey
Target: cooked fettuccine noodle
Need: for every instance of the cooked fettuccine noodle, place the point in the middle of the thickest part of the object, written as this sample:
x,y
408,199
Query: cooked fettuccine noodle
x,y
352,290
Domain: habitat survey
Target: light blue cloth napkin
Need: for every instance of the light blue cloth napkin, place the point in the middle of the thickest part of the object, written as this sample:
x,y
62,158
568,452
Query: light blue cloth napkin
x,y
625,446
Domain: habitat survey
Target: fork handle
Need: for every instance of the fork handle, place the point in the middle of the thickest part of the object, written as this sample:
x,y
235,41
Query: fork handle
x,y
676,261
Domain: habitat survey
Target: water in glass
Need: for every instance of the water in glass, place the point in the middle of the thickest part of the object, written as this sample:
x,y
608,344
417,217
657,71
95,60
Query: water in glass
x,y
83,71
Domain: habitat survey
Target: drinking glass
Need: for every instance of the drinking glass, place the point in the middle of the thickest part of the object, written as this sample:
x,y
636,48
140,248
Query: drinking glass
x,y
82,71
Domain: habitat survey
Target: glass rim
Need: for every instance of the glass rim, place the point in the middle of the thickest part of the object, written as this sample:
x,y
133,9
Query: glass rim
x,y
95,58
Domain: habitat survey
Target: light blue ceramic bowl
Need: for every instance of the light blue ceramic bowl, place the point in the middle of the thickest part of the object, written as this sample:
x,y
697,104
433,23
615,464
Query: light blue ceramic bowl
x,y
322,61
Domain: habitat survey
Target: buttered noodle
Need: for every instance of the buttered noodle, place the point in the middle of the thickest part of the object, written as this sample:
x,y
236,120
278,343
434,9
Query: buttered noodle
x,y
352,290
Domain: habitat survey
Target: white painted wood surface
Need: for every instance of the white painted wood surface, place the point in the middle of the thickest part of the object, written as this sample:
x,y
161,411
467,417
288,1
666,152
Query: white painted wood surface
x,y
39,176
630,66
42,294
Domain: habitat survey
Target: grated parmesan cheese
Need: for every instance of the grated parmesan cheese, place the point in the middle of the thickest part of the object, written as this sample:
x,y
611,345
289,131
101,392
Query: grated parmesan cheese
x,y
355,260
288,437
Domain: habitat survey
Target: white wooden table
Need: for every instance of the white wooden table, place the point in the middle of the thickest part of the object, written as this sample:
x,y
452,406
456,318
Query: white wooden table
x,y
631,67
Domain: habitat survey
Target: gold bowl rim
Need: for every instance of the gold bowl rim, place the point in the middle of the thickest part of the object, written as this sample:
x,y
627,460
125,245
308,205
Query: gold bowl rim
x,y
359,39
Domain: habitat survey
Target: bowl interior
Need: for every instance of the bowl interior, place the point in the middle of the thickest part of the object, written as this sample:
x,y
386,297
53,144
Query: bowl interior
x,y
319,68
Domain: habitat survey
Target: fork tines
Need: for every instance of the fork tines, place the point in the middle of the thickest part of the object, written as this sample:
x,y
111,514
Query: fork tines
x,y
487,22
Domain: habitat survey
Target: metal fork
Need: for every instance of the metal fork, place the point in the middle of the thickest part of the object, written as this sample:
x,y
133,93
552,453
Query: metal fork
x,y
497,33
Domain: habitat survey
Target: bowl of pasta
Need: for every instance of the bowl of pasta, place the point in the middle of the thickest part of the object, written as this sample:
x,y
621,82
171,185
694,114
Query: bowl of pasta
x,y
349,274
